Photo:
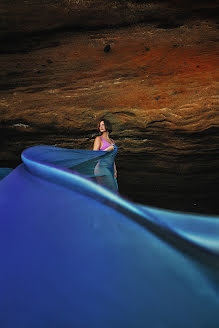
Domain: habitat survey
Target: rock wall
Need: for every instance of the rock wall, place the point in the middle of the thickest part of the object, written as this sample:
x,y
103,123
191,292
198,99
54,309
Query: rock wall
x,y
138,77
19,16
148,66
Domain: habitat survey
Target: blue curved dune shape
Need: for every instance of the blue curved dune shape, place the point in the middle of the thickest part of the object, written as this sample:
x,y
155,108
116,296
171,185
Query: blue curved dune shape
x,y
76,254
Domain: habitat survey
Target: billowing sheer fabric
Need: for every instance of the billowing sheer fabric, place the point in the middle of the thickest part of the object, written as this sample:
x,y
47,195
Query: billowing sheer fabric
x,y
98,166
4,171
77,254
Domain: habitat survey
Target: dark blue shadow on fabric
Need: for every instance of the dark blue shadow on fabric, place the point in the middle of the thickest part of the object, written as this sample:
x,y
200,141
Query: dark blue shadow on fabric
x,y
76,254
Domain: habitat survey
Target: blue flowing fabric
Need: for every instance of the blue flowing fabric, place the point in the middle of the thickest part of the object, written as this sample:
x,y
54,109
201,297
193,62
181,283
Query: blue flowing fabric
x,y
76,254
4,172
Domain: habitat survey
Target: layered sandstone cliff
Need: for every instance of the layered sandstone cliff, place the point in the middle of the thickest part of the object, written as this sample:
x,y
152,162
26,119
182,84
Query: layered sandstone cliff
x,y
150,67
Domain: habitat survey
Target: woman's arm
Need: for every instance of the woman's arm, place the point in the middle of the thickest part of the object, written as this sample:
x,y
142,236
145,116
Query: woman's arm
x,y
97,144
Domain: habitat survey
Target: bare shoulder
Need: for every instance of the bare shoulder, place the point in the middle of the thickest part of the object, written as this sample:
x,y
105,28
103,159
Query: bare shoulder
x,y
97,139
97,143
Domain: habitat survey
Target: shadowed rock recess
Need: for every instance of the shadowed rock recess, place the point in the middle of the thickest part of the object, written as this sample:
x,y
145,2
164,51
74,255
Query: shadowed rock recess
x,y
151,67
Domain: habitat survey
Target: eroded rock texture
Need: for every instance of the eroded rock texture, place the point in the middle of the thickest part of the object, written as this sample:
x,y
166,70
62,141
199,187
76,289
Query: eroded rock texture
x,y
150,67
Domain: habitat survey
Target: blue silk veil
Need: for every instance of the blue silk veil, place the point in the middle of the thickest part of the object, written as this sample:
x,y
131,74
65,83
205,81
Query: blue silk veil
x,y
76,254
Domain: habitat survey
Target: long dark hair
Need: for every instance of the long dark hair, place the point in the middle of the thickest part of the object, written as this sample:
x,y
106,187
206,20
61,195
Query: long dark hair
x,y
107,123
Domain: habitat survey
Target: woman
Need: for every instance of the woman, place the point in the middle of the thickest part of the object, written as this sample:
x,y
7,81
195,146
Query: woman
x,y
105,143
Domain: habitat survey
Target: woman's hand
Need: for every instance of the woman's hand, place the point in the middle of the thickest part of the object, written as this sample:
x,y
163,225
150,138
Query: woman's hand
x,y
110,148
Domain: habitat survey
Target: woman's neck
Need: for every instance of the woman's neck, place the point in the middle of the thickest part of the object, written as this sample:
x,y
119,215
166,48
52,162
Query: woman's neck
x,y
105,135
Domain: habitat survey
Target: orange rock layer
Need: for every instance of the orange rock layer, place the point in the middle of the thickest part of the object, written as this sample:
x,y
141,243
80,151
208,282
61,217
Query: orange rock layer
x,y
165,78
149,76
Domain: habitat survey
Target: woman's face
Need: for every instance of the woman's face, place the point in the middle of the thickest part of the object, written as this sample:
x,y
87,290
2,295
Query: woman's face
x,y
102,127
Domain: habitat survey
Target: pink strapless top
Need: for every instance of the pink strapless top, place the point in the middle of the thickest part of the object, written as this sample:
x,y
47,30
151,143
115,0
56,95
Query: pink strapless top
x,y
105,144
